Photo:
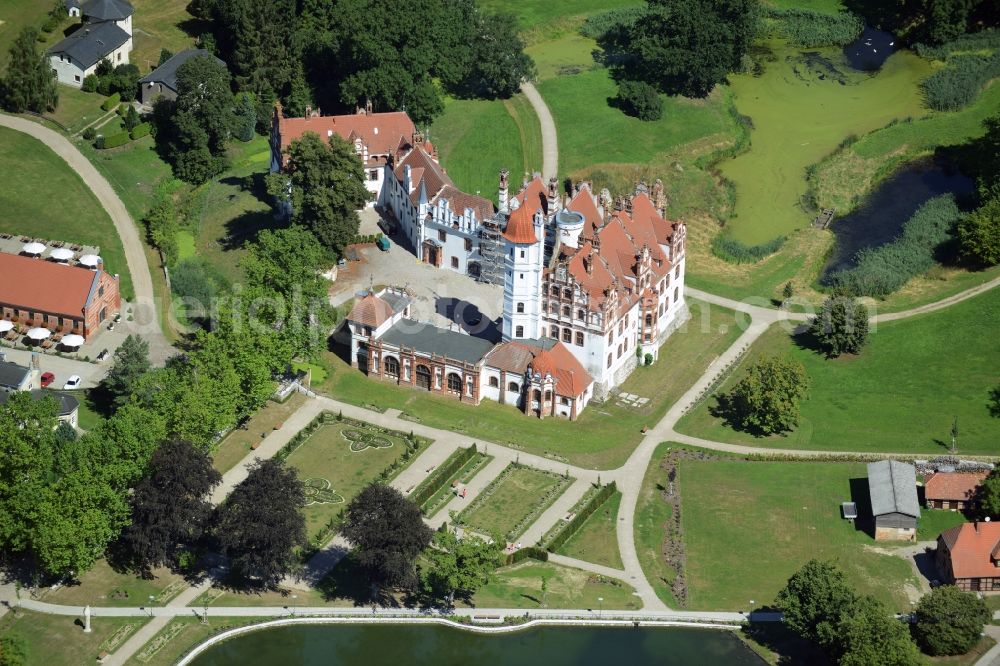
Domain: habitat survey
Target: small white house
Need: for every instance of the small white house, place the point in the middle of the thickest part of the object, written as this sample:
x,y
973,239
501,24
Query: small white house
x,y
106,33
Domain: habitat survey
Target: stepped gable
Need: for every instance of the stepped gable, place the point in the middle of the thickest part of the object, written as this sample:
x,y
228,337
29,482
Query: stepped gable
x,y
371,311
521,226
646,218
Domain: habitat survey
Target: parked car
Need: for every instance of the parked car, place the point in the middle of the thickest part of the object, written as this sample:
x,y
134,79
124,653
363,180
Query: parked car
x,y
383,243
47,378
73,382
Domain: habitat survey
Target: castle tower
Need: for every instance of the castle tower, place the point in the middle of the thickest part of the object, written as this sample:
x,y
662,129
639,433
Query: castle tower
x,y
553,196
524,251
503,196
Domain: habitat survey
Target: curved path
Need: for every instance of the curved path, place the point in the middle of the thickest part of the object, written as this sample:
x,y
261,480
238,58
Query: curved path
x,y
550,143
146,322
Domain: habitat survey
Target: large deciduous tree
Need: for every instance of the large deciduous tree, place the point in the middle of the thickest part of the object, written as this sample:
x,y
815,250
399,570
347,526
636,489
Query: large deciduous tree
x,y
388,533
460,565
949,621
979,232
841,326
989,491
170,506
869,635
131,362
325,185
261,524
813,600
29,84
766,400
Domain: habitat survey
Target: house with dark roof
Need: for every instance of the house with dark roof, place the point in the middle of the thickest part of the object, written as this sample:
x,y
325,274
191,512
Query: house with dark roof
x,y
35,292
67,406
106,33
162,81
952,490
892,487
14,377
968,556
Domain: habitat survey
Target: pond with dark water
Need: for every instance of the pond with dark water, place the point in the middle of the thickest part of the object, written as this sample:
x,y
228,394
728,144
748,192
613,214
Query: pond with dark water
x,y
869,51
880,219
429,645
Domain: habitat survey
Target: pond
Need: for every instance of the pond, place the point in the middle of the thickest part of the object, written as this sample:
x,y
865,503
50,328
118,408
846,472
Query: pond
x,y
880,219
373,645
870,50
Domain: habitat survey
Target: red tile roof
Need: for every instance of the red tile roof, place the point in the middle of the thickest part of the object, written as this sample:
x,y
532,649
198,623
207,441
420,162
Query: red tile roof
x,y
425,169
571,378
583,203
381,132
953,486
521,226
371,311
971,546
45,286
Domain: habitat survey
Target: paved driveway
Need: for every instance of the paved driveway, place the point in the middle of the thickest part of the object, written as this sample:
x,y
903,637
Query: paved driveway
x,y
62,368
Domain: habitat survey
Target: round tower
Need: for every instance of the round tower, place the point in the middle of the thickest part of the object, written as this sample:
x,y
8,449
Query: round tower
x,y
569,226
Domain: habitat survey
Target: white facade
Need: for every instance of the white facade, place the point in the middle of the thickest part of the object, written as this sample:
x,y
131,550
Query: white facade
x,y
522,287
71,72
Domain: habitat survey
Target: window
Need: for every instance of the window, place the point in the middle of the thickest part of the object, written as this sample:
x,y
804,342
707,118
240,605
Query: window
x,y
454,383
579,339
511,253
514,387
648,337
119,56
619,350
454,262
567,293
77,78
649,320
520,307
519,332
580,314
555,332
548,396
391,366
373,174
677,273
565,310
494,382
368,330
553,308
564,401
522,254
555,290
442,235
611,335
468,245
676,293
536,395
567,335
520,276
621,327
609,360
102,315
100,292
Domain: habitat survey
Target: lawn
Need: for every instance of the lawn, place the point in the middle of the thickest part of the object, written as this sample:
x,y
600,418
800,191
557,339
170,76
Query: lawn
x,y
603,436
520,586
652,520
236,445
101,585
161,24
477,138
34,178
182,634
326,461
748,526
902,393
934,521
462,475
596,540
827,106
58,640
15,15
77,109
509,505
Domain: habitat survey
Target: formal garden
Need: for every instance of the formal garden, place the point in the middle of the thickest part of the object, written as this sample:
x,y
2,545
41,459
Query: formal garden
x,y
336,457
596,539
442,484
512,501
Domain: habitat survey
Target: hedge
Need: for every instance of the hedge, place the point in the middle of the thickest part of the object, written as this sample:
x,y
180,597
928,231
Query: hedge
x,y
111,102
585,512
531,552
436,481
735,252
115,140
140,130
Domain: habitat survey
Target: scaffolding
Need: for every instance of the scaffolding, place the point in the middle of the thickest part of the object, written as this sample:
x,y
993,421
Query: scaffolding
x,y
491,250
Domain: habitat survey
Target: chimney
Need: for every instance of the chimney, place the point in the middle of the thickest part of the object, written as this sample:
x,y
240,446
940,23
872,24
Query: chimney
x,y
553,196
503,194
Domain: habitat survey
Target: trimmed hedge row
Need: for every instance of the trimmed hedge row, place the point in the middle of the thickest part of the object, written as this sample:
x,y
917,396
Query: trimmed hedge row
x,y
436,481
111,102
735,252
809,28
585,512
113,140
531,552
140,130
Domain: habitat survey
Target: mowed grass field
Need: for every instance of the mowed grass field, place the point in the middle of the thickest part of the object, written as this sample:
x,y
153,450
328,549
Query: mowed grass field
x,y
799,118
160,24
41,196
901,394
596,541
520,586
603,436
514,498
58,640
748,526
477,138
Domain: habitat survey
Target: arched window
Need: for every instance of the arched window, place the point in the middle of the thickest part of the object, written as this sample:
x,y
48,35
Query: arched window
x,y
454,383
514,387
520,307
677,293
649,320
519,332
536,395
566,310
391,366
580,314
424,377
494,382
619,351
609,360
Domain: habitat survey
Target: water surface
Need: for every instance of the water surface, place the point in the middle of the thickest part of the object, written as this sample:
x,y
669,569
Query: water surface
x,y
870,50
429,645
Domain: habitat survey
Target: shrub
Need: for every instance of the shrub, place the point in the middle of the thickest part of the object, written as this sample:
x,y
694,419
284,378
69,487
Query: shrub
x,y
530,552
99,142
140,130
648,359
131,118
121,109
949,621
89,83
735,252
115,140
960,82
51,23
639,99
979,233
89,134
880,271
111,102
809,28
197,280
437,479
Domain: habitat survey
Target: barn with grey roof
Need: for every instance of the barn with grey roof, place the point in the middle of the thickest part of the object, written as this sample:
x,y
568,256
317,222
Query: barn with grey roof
x,y
892,487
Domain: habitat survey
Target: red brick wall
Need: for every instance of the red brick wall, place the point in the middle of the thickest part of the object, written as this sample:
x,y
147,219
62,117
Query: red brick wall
x,y
110,301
